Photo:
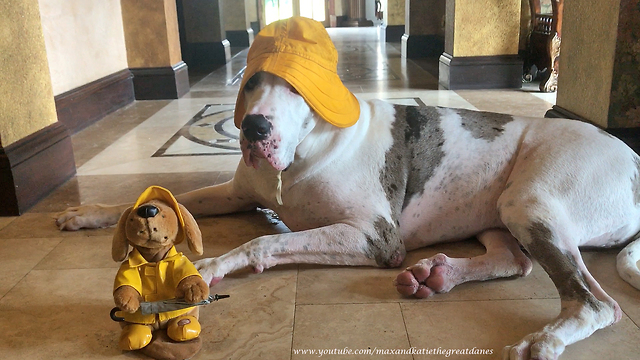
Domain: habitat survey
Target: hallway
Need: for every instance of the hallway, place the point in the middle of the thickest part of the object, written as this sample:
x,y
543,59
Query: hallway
x,y
55,287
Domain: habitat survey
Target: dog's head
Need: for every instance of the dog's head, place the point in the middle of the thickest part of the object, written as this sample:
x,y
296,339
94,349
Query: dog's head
x,y
289,85
154,225
276,120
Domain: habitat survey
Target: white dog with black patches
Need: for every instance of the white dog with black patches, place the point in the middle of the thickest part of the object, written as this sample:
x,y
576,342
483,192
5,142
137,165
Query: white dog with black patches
x,y
403,178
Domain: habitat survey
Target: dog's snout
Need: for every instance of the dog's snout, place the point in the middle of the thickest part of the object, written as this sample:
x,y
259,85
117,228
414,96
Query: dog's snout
x,y
147,211
256,127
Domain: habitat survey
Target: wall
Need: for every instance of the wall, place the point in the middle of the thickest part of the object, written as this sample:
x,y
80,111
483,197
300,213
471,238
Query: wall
x,y
394,14
197,28
234,15
426,17
472,35
251,8
624,108
84,41
27,102
587,55
151,28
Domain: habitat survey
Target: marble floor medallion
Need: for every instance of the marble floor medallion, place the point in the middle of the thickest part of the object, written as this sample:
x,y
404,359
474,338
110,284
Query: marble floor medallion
x,y
211,132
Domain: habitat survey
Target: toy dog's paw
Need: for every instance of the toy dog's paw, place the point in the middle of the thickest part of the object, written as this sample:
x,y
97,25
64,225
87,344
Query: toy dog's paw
x,y
127,299
192,289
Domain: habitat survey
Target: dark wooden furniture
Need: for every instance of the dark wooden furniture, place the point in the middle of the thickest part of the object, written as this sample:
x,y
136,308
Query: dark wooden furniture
x,y
543,48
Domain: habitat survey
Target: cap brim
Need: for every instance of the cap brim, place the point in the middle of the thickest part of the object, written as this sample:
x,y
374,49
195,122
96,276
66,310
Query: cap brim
x,y
321,88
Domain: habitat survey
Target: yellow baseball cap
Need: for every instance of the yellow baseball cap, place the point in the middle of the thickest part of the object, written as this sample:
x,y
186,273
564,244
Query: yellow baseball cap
x,y
300,51
162,194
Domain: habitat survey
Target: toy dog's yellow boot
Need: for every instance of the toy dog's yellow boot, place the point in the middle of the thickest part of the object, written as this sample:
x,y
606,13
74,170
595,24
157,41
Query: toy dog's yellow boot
x,y
183,328
135,336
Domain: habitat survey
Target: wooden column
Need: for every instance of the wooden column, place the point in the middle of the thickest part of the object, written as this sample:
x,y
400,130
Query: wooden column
x,y
153,49
599,76
36,155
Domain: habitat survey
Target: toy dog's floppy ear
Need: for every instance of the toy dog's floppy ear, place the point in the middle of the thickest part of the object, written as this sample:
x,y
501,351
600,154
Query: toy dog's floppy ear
x,y
191,231
120,244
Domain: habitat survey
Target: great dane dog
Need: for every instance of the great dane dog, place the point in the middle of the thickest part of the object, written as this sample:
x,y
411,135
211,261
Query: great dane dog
x,y
407,177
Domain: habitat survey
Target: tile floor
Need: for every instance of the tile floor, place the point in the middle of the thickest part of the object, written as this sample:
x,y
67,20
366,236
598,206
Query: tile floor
x,y
55,287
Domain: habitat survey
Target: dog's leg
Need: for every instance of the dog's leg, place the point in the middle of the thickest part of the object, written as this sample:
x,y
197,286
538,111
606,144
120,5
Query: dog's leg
x,y
585,306
337,244
89,216
212,200
440,273
219,199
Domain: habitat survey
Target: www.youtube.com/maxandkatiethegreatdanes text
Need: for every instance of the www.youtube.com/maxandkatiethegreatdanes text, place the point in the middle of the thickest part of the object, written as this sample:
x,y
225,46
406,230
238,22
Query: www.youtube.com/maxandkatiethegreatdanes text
x,y
445,352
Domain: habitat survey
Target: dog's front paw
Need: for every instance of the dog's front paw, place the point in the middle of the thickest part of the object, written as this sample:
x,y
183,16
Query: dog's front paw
x,y
192,289
127,299
87,217
210,270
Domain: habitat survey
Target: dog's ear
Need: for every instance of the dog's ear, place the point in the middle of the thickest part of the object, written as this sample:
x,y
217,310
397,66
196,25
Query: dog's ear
x,y
191,231
120,244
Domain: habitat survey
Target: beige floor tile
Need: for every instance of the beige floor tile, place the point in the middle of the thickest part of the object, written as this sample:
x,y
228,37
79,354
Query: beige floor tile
x,y
4,221
42,225
515,102
61,314
80,253
91,141
328,285
19,256
256,322
602,265
355,327
491,325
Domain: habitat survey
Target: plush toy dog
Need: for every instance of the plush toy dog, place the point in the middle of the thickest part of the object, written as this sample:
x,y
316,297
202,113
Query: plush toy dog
x,y
156,271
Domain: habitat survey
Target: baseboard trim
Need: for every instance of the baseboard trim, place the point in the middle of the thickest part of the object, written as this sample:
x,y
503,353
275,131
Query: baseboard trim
x,y
84,105
170,82
393,33
239,38
33,167
207,55
556,112
421,46
480,72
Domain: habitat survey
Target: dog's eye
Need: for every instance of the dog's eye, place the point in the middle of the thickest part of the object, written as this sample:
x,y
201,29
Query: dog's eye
x,y
252,82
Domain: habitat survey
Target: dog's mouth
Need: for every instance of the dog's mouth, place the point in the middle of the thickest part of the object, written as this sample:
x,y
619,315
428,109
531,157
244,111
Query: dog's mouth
x,y
253,152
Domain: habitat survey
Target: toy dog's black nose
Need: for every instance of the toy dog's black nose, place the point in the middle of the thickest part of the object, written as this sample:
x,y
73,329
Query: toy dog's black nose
x,y
147,211
256,127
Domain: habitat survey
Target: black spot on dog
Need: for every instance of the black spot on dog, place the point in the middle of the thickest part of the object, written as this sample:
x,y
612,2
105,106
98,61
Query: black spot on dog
x,y
561,266
483,125
385,246
423,140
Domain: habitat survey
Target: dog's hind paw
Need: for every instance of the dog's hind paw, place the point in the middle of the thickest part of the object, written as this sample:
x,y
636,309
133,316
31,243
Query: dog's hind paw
x,y
538,346
427,277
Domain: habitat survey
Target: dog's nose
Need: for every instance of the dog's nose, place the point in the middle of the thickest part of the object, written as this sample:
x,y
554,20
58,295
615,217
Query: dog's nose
x,y
256,127
147,211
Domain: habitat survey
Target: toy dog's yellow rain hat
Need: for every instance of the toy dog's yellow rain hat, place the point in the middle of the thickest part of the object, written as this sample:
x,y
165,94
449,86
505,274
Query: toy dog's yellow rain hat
x,y
162,194
300,51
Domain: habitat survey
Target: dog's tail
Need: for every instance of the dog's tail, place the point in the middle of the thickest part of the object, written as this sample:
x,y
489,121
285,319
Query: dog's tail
x,y
627,263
